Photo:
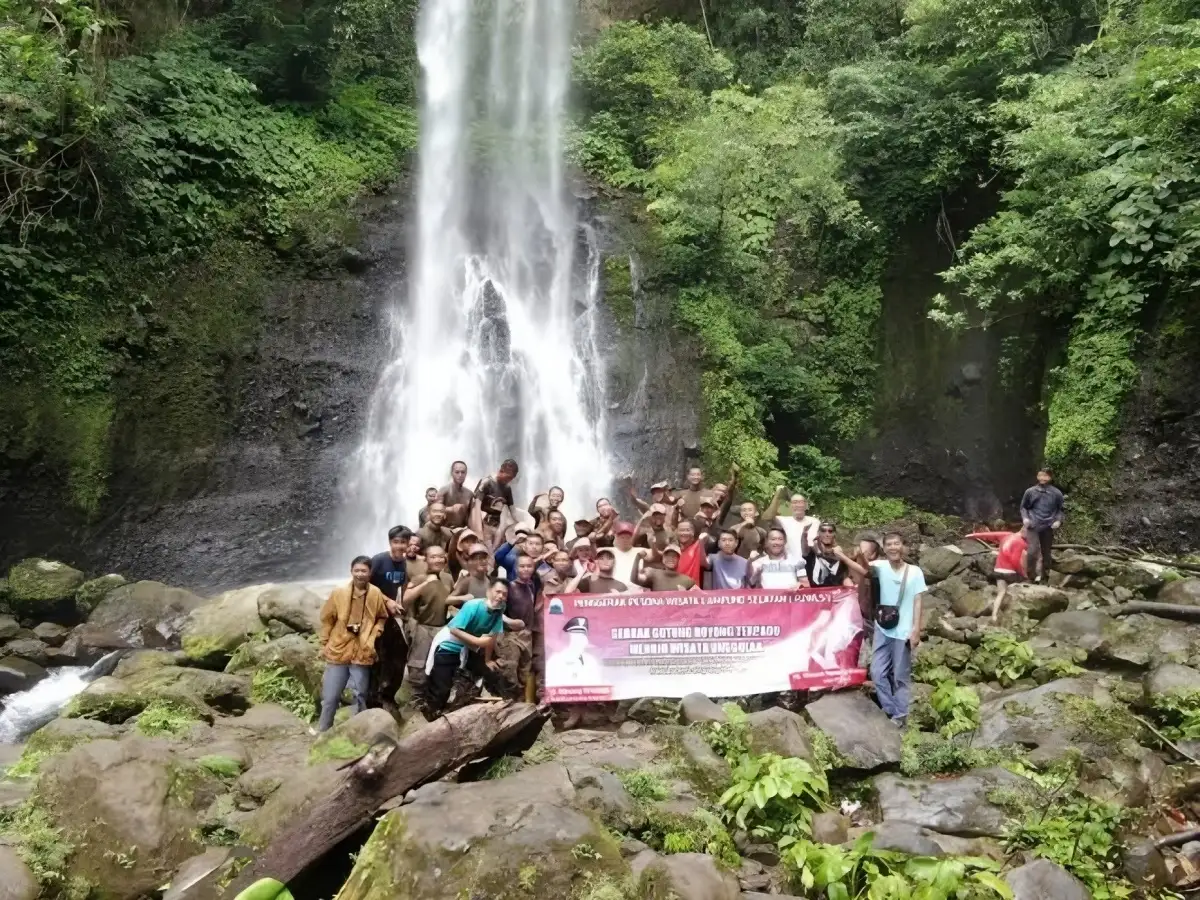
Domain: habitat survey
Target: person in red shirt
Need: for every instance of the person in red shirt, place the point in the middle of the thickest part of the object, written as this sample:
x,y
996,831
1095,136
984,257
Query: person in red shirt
x,y
692,551
1010,562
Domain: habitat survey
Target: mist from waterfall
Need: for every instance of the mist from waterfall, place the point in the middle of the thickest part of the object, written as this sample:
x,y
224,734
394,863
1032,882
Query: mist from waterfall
x,y
494,351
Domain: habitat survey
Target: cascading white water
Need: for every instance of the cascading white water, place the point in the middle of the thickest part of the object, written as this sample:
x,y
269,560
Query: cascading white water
x,y
495,354
29,710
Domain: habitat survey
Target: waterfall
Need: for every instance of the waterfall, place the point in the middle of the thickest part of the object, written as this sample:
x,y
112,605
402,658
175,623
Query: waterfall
x,y
495,352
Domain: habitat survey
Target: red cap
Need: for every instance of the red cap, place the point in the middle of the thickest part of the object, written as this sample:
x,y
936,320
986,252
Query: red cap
x,y
624,528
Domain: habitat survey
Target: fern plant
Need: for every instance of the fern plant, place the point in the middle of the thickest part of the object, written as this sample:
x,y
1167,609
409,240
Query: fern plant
x,y
957,708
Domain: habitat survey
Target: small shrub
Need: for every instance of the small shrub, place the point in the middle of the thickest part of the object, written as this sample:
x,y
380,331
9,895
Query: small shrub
x,y
274,684
335,747
729,739
957,708
1079,835
1003,657
643,784
165,717
43,848
1179,713
221,766
772,797
502,768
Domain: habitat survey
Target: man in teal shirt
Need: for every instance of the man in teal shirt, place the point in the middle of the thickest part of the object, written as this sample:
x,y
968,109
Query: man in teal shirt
x,y
897,627
467,640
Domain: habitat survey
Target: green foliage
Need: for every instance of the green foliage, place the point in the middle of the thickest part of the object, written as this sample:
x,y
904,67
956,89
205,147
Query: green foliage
x,y
1080,835
502,768
274,684
643,784
957,708
163,717
731,737
1059,667
699,832
1179,713
41,845
127,154
335,747
1001,656
221,766
849,873
934,754
772,796
852,513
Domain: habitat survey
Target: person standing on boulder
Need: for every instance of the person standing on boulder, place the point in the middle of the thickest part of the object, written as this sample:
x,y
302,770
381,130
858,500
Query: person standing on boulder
x,y
494,496
389,572
897,627
351,619
1042,515
1010,562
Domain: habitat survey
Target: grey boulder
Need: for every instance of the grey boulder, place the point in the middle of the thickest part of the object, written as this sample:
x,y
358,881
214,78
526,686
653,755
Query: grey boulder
x,y
1044,880
950,805
861,731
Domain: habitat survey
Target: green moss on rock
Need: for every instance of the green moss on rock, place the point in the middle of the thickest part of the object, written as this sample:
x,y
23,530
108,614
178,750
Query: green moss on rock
x,y
43,589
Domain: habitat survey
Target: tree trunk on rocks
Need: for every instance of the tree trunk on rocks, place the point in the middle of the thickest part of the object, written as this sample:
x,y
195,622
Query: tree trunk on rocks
x,y
1163,610
386,771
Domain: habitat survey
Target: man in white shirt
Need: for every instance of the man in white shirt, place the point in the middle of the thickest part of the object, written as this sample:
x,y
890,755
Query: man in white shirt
x,y
798,523
624,553
776,570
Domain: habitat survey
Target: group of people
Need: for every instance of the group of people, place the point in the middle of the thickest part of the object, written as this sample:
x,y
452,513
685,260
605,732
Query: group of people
x,y
459,599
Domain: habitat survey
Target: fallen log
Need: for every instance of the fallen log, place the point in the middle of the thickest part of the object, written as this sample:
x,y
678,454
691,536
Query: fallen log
x,y
1164,610
388,770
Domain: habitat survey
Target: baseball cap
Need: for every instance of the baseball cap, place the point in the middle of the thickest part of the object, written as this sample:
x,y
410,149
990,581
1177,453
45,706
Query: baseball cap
x,y
625,528
477,550
609,550
522,529
658,508
660,486
708,500
464,534
672,548
582,542
583,521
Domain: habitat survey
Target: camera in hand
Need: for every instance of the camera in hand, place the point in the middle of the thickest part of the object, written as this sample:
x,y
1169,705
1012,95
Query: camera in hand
x,y
353,629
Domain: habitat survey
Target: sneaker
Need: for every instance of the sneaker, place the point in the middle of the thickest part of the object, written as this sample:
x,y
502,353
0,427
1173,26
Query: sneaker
x,y
900,722
312,731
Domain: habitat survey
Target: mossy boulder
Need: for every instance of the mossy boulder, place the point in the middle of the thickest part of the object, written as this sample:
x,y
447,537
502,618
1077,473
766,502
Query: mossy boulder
x,y
130,808
214,630
116,700
90,593
293,653
295,605
43,590
463,840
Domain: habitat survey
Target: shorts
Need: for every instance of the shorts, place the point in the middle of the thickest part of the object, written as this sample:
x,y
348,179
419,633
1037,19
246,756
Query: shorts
x,y
1006,576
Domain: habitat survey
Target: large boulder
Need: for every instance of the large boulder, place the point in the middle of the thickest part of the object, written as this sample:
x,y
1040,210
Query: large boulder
x,y
144,614
295,605
43,590
1036,601
1083,628
939,563
509,837
9,628
30,649
217,628
957,805
18,674
1169,678
698,708
90,593
778,730
16,881
972,603
687,876
1044,880
1182,591
1055,718
862,732
134,804
116,700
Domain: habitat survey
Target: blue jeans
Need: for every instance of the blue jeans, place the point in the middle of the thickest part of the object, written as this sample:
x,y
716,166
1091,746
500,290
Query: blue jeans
x,y
334,682
891,671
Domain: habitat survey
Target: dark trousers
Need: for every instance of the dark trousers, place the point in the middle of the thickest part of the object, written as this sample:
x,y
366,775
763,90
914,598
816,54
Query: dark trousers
x,y
1040,544
440,682
391,649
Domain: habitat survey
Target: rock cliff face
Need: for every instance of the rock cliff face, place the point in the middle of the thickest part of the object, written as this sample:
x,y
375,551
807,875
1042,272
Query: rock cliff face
x,y
262,500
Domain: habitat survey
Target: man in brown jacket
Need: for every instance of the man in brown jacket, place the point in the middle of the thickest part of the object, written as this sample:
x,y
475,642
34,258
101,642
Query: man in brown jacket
x,y
351,620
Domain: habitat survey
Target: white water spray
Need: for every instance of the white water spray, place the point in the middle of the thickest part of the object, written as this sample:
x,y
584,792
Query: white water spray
x,y
495,354
29,710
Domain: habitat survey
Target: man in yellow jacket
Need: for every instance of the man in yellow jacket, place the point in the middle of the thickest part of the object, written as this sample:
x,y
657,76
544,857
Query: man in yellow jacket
x,y
351,620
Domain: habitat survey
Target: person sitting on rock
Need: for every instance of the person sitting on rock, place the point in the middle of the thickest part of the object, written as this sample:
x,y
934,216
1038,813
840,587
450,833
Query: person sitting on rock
x,y
544,504
467,641
351,619
583,529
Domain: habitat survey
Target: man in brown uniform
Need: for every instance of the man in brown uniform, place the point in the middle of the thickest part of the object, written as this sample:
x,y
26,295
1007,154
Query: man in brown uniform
x,y
351,619
474,579
434,533
752,537
667,578
689,499
425,604
603,582
414,560
455,497
652,530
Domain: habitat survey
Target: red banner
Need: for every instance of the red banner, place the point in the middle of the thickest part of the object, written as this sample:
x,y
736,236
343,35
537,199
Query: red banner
x,y
720,643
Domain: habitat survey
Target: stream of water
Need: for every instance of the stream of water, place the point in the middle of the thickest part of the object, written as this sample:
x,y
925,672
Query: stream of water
x,y
29,710
495,347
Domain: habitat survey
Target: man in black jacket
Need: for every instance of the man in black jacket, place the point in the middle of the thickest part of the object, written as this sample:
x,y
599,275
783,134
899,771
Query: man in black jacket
x,y
1042,514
